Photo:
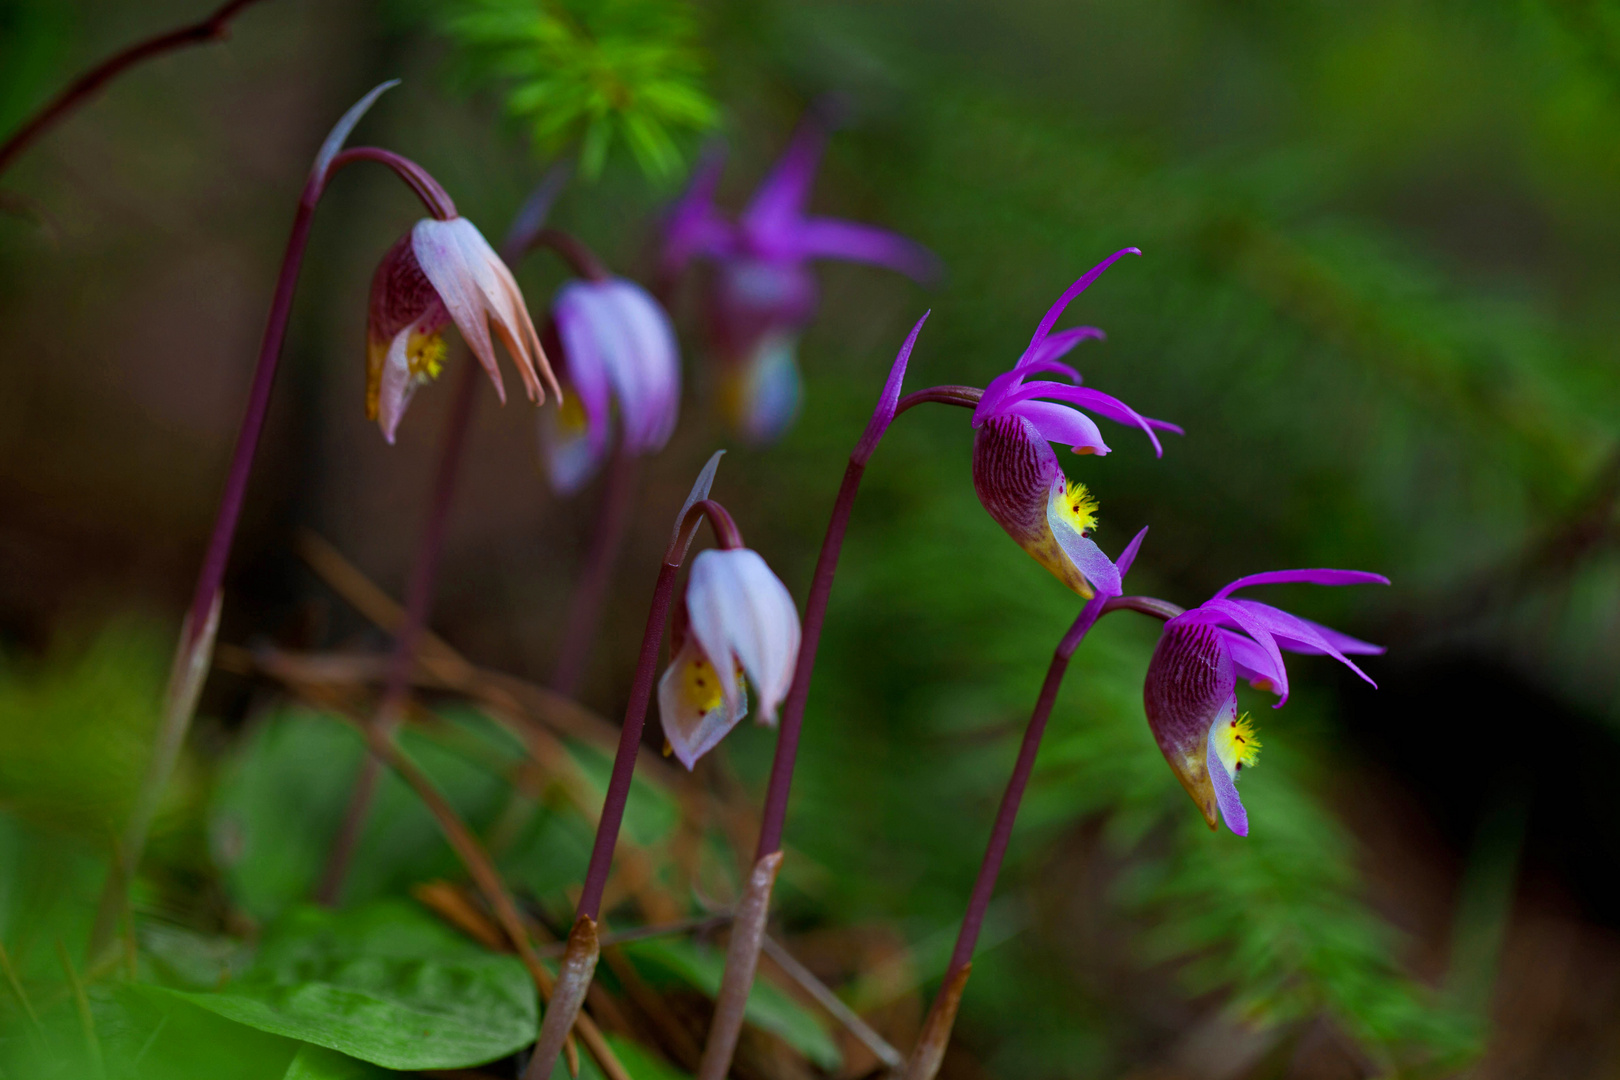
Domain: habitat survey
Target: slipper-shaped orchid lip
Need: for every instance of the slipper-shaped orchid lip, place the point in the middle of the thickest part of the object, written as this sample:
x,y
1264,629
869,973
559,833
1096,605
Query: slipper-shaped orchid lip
x,y
1190,696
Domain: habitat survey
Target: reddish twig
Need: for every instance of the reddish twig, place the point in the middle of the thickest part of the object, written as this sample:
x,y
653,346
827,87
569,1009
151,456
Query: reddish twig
x,y
215,27
197,634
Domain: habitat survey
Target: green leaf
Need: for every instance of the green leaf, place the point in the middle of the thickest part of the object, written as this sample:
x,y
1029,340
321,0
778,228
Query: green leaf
x,y
768,1008
281,798
149,1034
387,984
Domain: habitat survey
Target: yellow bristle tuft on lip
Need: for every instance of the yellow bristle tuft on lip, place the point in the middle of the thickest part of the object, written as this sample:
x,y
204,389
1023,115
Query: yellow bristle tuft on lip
x,y
1079,507
425,353
1237,742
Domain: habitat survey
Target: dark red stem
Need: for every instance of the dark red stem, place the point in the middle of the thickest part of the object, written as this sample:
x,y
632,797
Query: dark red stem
x,y
574,251
624,761
419,592
212,574
965,396
214,28
433,196
815,613
1007,813
635,711
726,533
1163,610
591,590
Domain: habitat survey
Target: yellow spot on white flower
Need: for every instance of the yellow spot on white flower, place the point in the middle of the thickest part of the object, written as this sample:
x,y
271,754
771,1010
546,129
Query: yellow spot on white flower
x,y
700,686
424,353
1078,507
1236,743
571,418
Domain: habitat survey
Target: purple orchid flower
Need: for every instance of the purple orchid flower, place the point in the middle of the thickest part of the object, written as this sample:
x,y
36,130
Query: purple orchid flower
x,y
736,619
1015,470
763,294
618,348
1190,692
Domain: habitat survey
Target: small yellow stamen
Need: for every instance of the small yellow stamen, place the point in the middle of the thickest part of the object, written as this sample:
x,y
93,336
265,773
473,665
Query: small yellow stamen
x,y
1078,507
700,686
425,353
571,418
1237,743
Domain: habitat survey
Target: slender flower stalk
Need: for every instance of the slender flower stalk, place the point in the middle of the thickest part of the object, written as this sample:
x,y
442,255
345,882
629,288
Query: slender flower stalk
x,y
622,365
741,962
215,27
925,1058
1020,483
1192,710
558,1020
196,643
527,228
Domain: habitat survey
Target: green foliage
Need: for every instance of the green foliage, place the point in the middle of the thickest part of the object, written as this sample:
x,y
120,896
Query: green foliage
x,y
588,73
386,983
75,730
282,795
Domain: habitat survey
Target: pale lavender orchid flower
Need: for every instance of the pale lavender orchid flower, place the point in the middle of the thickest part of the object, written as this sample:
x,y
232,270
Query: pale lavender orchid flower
x,y
1015,471
618,349
442,272
1190,692
736,620
763,294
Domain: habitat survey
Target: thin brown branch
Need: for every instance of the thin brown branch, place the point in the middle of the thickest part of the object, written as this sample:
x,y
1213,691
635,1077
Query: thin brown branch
x,y
822,994
215,27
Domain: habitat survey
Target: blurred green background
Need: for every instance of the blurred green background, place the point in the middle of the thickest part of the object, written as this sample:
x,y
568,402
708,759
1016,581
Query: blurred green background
x,y
1378,288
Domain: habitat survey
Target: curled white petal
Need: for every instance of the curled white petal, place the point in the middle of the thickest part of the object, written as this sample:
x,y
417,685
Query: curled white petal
x,y
738,607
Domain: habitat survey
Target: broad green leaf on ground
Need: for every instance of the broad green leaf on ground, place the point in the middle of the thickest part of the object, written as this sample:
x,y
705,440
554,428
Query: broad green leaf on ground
x,y
386,983
768,1008
148,1034
283,794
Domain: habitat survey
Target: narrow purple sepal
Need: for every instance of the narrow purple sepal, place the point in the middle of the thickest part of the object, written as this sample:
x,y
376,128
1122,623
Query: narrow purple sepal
x,y
694,226
1308,577
850,241
779,200
1128,556
1080,286
883,415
